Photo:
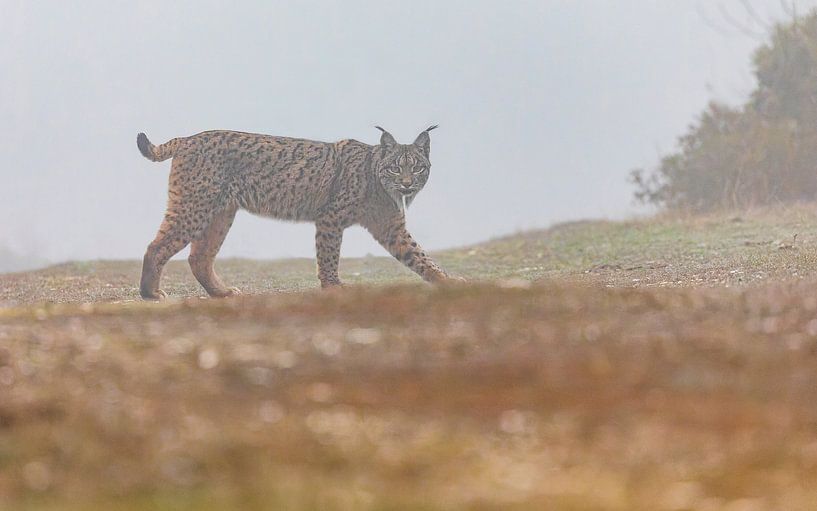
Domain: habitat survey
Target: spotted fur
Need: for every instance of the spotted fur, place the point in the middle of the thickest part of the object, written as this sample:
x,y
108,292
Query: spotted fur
x,y
335,185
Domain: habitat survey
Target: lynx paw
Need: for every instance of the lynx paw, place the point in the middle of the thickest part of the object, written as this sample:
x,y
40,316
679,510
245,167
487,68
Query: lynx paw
x,y
159,295
225,293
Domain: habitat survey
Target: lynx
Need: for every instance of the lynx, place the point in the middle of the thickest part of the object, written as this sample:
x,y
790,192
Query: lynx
x,y
334,185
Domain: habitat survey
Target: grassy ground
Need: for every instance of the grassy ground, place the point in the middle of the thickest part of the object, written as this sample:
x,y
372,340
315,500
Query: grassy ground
x,y
724,250
665,364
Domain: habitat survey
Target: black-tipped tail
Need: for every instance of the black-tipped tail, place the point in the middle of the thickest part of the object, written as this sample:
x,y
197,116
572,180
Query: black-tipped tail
x,y
145,147
157,153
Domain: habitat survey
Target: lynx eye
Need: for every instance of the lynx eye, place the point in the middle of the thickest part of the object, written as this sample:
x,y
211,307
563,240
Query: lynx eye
x,y
420,170
393,170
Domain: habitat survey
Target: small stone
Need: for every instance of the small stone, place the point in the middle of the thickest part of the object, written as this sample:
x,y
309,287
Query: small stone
x,y
270,412
37,475
6,375
208,358
321,392
744,505
363,335
326,345
514,283
683,495
285,359
513,422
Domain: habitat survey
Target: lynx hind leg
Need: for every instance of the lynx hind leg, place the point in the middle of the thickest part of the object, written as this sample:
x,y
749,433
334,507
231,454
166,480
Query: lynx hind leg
x,y
203,254
168,242
190,210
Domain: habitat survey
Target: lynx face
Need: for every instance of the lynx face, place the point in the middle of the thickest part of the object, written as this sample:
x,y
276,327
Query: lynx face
x,y
403,169
404,174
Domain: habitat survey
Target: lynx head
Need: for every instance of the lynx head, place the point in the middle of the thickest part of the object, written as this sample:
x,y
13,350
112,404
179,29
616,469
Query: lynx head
x,y
403,169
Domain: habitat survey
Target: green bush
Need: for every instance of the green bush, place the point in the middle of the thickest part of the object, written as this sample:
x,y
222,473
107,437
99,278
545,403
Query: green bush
x,y
764,152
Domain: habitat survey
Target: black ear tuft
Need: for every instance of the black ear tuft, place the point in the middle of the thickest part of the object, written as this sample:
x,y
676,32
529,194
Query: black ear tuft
x,y
432,127
386,139
424,141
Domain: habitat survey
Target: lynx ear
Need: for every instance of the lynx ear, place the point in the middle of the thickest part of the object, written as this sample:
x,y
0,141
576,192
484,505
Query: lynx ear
x,y
423,141
386,138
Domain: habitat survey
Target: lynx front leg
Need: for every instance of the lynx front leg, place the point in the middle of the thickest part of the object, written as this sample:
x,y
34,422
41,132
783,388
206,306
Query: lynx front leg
x,y
394,237
328,237
203,254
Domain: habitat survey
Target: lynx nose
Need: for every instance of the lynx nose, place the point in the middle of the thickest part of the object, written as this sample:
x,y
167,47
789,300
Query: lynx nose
x,y
406,183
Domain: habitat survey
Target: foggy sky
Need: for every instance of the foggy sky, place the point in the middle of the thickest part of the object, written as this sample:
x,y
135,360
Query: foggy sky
x,y
544,107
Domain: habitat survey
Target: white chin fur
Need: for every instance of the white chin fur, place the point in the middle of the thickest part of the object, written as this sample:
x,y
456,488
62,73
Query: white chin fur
x,y
401,201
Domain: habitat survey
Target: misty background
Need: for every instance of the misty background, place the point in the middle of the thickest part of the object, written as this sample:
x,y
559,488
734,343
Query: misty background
x,y
544,107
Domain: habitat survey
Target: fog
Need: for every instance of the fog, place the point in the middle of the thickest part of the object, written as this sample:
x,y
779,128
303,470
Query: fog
x,y
544,107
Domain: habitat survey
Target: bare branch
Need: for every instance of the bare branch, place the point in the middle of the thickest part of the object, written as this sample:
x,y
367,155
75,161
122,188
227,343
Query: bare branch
x,y
750,10
790,8
739,26
711,24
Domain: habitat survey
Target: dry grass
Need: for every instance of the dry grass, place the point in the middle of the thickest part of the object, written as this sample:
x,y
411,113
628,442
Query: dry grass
x,y
608,394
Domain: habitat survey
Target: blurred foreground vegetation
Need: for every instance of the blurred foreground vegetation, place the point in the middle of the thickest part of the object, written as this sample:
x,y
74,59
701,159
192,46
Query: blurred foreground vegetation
x,y
665,364
469,397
